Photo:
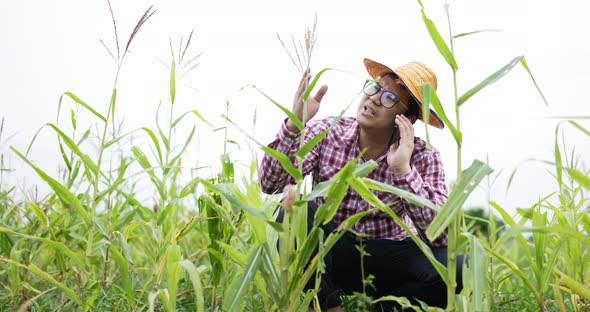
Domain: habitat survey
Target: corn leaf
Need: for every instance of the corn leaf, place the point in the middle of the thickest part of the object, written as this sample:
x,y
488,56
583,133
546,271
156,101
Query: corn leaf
x,y
234,299
526,67
409,196
313,83
124,270
61,191
439,42
429,97
88,163
284,161
83,104
173,82
197,285
489,80
152,135
469,180
579,177
298,123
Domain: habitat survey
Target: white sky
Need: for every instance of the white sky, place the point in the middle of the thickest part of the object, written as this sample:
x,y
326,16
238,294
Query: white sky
x,y
53,46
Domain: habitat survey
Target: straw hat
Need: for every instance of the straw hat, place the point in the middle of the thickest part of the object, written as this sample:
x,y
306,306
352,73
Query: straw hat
x,y
413,75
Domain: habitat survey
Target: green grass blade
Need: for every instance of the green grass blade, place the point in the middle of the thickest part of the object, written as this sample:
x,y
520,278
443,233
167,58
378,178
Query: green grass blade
x,y
363,190
186,144
284,161
335,194
113,103
298,123
474,32
576,286
152,135
71,293
470,179
196,113
72,145
60,190
577,125
410,197
124,270
430,97
172,274
439,42
38,213
307,147
83,104
526,67
475,274
489,80
197,285
518,272
313,83
234,299
579,177
75,257
173,82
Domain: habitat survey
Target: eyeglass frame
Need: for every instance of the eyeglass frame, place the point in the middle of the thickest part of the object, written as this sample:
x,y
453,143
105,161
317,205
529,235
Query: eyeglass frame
x,y
385,93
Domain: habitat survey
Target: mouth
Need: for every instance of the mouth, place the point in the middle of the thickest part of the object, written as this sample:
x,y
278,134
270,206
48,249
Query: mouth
x,y
367,111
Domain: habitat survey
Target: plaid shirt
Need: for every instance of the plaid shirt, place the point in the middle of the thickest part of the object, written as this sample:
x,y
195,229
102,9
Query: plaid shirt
x,y
426,178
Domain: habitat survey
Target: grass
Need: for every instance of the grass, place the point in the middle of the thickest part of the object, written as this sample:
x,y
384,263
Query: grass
x,y
208,242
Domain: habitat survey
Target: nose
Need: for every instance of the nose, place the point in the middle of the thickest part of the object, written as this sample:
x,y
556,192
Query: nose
x,y
376,99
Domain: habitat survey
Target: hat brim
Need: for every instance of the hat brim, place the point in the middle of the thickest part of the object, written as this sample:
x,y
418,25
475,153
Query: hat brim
x,y
377,70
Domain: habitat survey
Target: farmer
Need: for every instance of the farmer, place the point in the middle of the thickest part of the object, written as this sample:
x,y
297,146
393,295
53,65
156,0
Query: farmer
x,y
391,103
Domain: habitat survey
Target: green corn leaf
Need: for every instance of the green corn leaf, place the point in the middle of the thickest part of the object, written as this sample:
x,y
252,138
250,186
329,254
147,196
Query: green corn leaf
x,y
518,272
229,191
73,118
307,147
88,163
60,190
409,196
173,82
476,274
576,286
124,271
234,299
152,135
474,32
558,162
363,190
335,194
234,254
439,42
526,67
82,103
366,168
284,161
186,144
196,113
70,292
577,125
141,158
189,188
197,285
313,83
489,80
38,213
469,180
172,273
298,123
113,103
58,246
429,97
579,177
64,156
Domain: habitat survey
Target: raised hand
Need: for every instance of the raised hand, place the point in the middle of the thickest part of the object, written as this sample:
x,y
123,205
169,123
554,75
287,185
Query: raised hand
x,y
313,102
398,157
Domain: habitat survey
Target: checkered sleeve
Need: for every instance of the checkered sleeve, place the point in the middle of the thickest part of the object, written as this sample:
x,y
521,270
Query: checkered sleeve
x,y
271,173
426,179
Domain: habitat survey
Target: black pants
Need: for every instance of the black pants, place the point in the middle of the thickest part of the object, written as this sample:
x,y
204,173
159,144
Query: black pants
x,y
399,268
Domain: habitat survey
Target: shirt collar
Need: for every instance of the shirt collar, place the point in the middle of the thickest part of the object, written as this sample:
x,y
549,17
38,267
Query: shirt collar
x,y
349,135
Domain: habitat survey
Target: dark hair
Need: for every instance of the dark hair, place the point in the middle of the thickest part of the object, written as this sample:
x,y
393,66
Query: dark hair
x,y
413,109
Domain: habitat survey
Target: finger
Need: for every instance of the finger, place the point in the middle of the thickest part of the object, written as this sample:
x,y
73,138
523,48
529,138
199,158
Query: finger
x,y
320,94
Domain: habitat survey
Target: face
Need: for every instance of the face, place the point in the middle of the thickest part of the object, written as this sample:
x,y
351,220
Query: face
x,y
372,114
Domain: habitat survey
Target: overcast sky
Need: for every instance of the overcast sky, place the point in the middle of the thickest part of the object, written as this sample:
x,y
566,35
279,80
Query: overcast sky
x,y
54,46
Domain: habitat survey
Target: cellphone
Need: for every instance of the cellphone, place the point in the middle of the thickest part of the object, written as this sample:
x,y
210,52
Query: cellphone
x,y
394,136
